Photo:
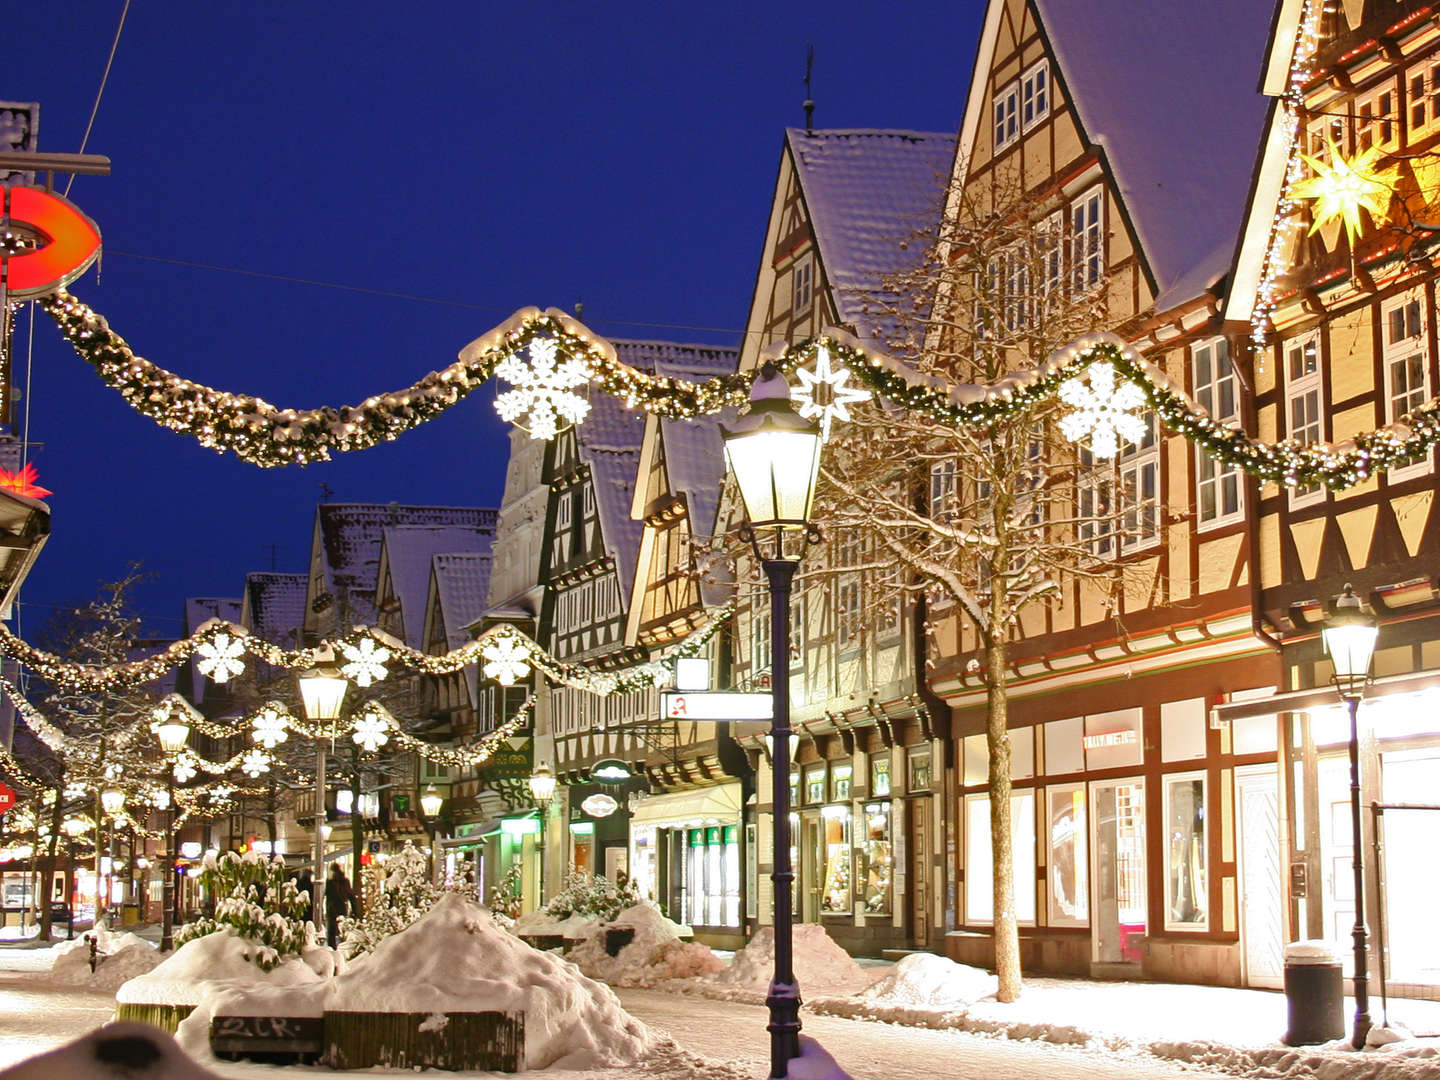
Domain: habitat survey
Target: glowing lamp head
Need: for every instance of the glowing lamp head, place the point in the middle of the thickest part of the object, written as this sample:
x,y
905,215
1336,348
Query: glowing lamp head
x,y
431,802
774,455
542,785
323,692
113,800
75,826
1349,636
172,735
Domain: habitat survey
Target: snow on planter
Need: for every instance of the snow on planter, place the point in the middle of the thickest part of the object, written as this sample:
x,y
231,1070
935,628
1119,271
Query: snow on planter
x,y
649,953
455,960
927,981
121,958
820,964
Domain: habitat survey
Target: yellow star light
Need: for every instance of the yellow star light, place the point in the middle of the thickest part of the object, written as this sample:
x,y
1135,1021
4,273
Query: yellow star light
x,y
1342,188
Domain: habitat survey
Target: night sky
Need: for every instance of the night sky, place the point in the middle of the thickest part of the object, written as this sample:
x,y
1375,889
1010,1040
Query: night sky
x,y
472,157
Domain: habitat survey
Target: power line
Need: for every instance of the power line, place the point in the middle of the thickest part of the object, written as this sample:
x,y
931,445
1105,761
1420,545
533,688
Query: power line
x,y
104,78
364,290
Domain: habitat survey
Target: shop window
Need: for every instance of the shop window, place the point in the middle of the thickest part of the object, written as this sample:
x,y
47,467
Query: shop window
x,y
835,838
695,878
1113,739
980,860
714,876
1068,901
1186,882
880,775
840,776
879,864
920,771
815,784
731,872
1064,746
975,755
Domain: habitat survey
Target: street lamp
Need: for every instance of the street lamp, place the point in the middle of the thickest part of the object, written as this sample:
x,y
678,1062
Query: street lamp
x,y
774,455
113,800
542,786
322,693
431,802
172,732
1349,635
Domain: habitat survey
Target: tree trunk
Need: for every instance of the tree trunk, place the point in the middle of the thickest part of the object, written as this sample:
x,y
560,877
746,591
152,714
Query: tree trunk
x,y
47,882
997,737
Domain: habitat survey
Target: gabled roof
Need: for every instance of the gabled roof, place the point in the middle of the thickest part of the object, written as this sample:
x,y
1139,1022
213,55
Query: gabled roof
x,y
610,437
350,535
1167,90
408,550
868,193
694,458
198,610
461,582
274,606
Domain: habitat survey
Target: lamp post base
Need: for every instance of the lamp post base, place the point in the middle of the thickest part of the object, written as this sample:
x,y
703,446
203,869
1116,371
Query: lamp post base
x,y
783,1001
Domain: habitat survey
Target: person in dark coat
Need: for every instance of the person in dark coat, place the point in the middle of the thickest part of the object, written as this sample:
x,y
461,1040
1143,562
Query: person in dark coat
x,y
339,899
303,886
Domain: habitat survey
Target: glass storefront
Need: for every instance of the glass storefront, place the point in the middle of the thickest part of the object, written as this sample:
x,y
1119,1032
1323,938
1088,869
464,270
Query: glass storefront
x,y
1069,893
711,874
1186,886
835,853
878,862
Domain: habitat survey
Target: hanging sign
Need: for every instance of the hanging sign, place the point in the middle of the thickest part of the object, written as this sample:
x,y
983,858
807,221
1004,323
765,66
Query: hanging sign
x,y
7,797
67,242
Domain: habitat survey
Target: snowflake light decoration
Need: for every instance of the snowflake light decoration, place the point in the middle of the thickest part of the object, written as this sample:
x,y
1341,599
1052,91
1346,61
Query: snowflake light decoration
x,y
254,763
371,732
184,770
366,661
543,388
220,657
269,728
823,393
1104,410
507,661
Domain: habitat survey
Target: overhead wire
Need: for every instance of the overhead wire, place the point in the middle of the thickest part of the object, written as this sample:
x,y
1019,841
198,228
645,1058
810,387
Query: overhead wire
x,y
104,78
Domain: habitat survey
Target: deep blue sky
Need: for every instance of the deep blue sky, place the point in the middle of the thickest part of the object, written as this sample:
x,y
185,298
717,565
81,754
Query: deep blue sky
x,y
483,156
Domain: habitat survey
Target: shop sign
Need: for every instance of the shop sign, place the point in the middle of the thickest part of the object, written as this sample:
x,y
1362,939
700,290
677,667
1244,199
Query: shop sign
x,y
7,797
610,771
1125,737
717,705
599,805
512,760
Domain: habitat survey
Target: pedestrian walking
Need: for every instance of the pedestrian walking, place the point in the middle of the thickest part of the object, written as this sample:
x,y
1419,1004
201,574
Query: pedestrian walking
x,y
339,898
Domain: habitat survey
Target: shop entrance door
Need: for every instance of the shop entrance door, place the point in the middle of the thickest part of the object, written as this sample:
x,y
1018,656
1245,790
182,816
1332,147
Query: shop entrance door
x,y
1261,929
812,878
917,858
1117,867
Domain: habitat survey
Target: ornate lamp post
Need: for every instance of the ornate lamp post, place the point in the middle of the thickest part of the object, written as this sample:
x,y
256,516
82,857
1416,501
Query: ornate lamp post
x,y
774,456
1349,636
431,803
322,692
542,790
172,733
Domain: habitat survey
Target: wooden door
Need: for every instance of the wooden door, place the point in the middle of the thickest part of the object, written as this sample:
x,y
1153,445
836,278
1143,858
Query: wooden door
x,y
917,869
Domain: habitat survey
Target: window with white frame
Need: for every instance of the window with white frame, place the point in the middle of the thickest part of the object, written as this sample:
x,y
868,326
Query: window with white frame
x,y
1406,360
1006,115
1015,299
759,639
1422,98
847,613
1219,496
1302,403
797,630
1068,897
1322,133
1377,118
1087,240
1095,509
802,289
1186,858
1034,94
1050,241
980,859
1139,466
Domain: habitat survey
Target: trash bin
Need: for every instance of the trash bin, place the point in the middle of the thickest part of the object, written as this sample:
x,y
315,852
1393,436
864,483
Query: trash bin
x,y
1314,993
616,938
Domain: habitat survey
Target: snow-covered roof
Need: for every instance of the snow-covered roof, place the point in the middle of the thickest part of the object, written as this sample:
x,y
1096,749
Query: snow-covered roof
x,y
868,193
461,582
350,535
694,458
1178,115
274,606
409,549
609,440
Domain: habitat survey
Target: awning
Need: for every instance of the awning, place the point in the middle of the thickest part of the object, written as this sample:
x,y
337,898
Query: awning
x,y
720,803
1321,697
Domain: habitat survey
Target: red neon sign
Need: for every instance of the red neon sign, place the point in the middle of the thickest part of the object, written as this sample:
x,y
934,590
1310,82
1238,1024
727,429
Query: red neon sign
x,y
69,242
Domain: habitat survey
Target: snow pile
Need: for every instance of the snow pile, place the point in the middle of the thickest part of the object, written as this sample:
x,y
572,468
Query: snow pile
x,y
124,1051
456,959
184,977
820,965
927,981
653,955
127,957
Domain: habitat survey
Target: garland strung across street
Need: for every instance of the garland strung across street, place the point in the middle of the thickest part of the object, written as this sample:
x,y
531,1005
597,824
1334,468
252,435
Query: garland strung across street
x,y
258,432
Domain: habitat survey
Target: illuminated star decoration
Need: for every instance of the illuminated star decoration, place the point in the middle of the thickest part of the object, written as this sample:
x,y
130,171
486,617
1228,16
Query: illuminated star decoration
x,y
1104,410
823,393
371,732
23,482
543,388
269,728
507,661
366,661
254,763
220,657
1341,189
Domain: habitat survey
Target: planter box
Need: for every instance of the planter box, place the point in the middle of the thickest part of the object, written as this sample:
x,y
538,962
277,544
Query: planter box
x,y
276,1040
165,1017
479,1041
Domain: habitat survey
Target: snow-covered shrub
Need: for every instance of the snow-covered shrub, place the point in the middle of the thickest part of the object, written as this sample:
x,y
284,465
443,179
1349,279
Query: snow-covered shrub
x,y
254,899
405,894
592,897
507,897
